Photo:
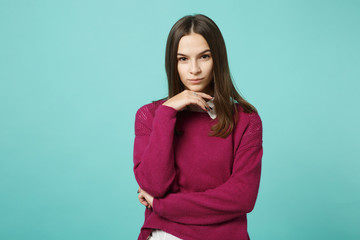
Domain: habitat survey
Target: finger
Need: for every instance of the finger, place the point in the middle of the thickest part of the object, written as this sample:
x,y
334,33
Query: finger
x,y
204,95
201,96
143,201
198,94
201,102
141,197
147,199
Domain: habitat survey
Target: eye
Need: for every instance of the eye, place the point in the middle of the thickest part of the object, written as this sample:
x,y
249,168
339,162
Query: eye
x,y
181,59
206,56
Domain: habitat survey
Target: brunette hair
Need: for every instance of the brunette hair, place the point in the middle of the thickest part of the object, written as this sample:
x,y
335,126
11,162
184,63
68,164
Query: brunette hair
x,y
224,90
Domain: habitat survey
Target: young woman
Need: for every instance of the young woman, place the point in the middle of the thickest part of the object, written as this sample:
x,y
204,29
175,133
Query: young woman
x,y
197,152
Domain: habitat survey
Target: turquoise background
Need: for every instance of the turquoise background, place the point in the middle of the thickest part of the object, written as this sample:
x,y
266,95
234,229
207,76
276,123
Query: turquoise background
x,y
73,74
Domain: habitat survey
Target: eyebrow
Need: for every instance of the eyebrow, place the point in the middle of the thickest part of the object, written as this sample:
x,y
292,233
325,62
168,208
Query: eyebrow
x,y
207,50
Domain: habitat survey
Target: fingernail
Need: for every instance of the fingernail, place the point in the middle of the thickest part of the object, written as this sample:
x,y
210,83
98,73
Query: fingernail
x,y
207,109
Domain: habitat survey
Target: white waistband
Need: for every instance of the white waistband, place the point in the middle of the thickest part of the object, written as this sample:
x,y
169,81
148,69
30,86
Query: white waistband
x,y
158,234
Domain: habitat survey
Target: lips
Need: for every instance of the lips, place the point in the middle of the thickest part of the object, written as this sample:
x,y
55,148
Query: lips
x,y
196,80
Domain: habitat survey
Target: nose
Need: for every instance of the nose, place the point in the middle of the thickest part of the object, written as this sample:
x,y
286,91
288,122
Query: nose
x,y
194,68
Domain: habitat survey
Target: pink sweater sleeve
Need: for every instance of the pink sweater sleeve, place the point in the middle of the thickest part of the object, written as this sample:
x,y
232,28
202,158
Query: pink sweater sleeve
x,y
233,198
153,149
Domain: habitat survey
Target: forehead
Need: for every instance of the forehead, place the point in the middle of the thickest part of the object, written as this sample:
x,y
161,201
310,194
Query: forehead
x,y
192,44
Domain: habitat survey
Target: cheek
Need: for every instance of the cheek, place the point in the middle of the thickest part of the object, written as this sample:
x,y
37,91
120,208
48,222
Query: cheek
x,y
181,70
208,68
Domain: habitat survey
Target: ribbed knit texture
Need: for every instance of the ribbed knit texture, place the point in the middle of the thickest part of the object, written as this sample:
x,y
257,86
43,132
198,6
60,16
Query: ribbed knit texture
x,y
203,186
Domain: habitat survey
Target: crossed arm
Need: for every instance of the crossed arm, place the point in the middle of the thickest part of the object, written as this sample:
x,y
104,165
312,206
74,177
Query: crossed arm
x,y
235,197
232,199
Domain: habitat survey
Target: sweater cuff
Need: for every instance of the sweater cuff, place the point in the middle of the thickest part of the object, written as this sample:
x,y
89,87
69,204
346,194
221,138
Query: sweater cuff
x,y
166,110
157,206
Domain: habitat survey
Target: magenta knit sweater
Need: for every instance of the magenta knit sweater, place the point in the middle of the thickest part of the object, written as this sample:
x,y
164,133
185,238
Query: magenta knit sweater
x,y
203,186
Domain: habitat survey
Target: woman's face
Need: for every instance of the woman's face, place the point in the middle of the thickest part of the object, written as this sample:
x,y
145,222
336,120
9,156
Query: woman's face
x,y
195,63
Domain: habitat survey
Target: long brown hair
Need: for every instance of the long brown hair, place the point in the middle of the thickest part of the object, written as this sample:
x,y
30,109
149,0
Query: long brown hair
x,y
224,90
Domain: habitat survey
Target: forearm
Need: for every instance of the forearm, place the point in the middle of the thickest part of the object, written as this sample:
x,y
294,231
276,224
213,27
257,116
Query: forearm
x,y
232,199
154,154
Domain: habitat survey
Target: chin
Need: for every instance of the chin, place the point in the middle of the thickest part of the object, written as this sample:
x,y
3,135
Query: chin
x,y
196,88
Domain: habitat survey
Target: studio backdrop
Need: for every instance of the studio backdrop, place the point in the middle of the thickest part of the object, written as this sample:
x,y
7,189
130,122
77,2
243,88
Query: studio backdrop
x,y
74,73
